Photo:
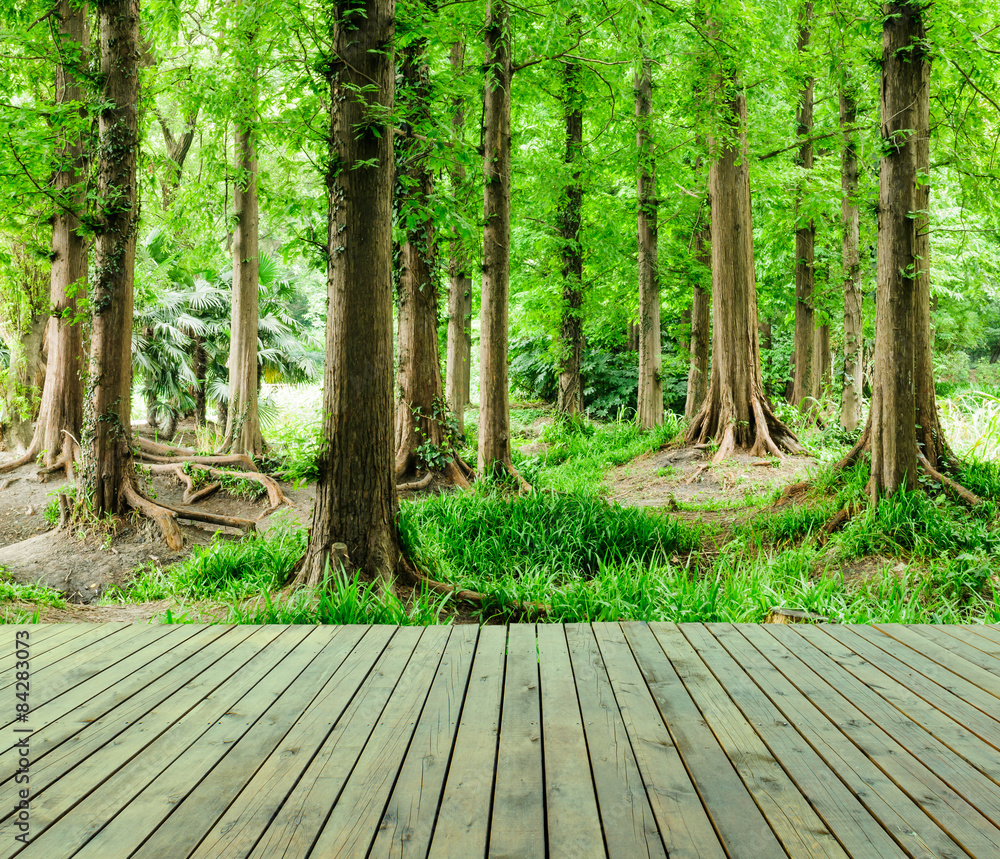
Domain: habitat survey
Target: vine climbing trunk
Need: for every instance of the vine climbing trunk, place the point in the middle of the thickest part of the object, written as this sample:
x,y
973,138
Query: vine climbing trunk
x,y
803,385
850,402
243,433
650,399
494,405
109,469
422,431
459,355
701,303
736,412
356,493
570,396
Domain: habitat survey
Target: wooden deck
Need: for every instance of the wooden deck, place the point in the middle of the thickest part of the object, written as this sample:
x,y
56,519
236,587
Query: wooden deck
x,y
628,740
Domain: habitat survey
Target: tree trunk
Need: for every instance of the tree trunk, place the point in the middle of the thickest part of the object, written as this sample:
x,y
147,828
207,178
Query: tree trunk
x,y
649,412
822,359
700,326
420,411
177,150
356,494
199,367
930,436
805,238
494,405
570,399
25,377
243,433
893,407
735,412
459,355
109,470
632,337
850,402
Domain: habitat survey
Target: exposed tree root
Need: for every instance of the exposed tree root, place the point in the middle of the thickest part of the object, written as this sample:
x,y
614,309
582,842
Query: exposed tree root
x,y
412,576
416,485
165,517
238,459
25,459
791,493
839,520
954,489
508,466
191,493
762,435
210,518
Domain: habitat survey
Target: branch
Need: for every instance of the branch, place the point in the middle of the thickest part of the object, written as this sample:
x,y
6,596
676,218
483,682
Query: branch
x,y
802,140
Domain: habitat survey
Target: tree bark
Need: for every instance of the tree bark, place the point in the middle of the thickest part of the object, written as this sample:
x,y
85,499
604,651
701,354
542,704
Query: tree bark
x,y
494,404
570,397
850,402
108,467
805,236
735,412
243,433
458,375
420,411
701,303
177,150
649,411
356,493
822,359
893,407
930,436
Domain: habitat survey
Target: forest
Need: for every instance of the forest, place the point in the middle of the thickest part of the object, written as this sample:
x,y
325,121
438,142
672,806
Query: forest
x,y
424,312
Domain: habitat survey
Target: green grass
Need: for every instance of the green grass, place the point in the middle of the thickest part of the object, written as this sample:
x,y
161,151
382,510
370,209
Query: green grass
x,y
581,452
225,570
466,536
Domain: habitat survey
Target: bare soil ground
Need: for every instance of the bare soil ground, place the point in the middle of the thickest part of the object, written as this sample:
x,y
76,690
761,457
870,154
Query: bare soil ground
x,y
82,563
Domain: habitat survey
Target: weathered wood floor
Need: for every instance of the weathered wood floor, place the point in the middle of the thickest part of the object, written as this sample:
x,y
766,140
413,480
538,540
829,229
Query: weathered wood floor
x,y
626,740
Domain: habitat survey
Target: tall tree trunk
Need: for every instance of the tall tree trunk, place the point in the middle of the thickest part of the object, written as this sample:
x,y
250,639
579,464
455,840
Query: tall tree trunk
x,y
177,150
459,355
570,399
243,433
420,411
109,469
701,303
494,404
850,402
805,236
735,412
930,436
893,407
822,359
356,494
650,402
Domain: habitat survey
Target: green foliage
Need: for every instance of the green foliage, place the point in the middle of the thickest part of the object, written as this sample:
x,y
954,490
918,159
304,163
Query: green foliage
x,y
471,534
224,570
11,591
339,601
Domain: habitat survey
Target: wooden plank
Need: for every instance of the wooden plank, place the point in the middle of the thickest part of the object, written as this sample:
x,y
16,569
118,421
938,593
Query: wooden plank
x,y
263,714
116,771
683,824
300,819
351,826
573,820
739,822
66,653
463,820
945,690
919,810
229,810
756,738
42,637
408,821
946,700
518,824
111,685
62,744
970,637
911,721
953,658
627,819
946,677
